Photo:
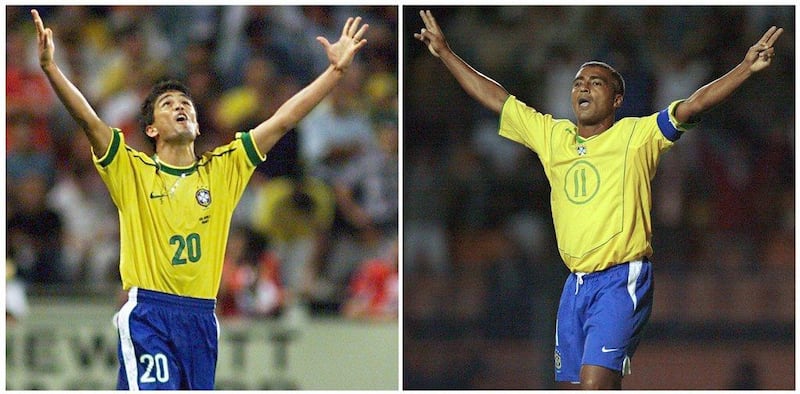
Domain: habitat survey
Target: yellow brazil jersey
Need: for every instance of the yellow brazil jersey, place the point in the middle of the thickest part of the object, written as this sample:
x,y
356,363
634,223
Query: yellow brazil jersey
x,y
600,187
174,221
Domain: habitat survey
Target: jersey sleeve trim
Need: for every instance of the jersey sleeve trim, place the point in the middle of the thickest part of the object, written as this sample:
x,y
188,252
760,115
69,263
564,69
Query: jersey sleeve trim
x,y
251,149
670,127
503,108
112,150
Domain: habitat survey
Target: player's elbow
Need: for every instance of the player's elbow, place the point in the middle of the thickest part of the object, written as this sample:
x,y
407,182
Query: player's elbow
x,y
690,110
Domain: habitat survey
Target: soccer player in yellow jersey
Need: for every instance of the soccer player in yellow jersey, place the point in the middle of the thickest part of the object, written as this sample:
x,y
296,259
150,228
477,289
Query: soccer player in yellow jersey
x,y
599,172
175,210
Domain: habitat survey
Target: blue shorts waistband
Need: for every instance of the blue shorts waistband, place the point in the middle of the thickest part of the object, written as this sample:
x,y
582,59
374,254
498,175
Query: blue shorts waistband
x,y
612,269
152,297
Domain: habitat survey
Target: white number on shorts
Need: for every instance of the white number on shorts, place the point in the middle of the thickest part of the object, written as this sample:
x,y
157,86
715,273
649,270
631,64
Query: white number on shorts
x,y
159,361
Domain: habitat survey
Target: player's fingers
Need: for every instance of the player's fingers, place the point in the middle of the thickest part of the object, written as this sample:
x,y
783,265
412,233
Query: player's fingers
x,y
434,25
359,44
766,36
360,33
774,36
424,36
354,27
426,18
37,20
346,27
48,36
324,41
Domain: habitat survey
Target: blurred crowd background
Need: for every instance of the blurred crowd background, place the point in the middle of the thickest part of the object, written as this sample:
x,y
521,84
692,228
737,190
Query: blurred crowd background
x,y
317,226
482,275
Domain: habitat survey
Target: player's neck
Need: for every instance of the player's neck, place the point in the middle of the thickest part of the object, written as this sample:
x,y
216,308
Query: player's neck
x,y
589,130
176,156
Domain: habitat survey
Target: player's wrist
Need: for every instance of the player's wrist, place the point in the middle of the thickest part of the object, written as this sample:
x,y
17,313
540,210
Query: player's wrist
x,y
339,69
48,66
744,69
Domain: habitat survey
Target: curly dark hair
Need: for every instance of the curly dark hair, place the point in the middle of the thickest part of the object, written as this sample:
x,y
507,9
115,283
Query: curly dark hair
x,y
146,116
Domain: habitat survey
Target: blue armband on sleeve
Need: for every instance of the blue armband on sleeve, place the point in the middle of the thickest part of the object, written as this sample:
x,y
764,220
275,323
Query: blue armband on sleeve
x,y
670,127
667,128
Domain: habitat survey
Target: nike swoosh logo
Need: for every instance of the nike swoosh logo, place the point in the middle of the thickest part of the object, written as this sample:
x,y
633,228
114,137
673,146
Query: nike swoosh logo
x,y
154,196
606,350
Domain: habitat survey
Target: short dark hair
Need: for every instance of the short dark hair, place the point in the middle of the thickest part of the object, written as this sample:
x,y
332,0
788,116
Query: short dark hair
x,y
146,116
619,83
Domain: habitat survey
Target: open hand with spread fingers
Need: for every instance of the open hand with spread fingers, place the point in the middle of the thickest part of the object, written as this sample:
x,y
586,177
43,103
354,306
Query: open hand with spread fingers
x,y
342,52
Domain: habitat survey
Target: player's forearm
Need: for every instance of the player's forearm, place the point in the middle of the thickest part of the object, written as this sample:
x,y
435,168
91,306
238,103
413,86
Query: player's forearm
x,y
79,108
480,87
297,107
267,134
712,94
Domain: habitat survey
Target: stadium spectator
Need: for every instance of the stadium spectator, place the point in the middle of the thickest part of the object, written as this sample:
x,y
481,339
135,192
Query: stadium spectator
x,y
336,134
294,213
91,224
24,154
252,285
425,245
373,291
16,294
36,232
27,93
139,48
338,129
366,189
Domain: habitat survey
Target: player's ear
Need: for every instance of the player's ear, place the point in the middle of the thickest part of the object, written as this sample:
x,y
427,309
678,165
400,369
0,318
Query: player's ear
x,y
151,131
618,100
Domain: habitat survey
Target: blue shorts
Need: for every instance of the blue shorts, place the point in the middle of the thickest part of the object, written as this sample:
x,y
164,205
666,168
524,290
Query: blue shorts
x,y
166,342
600,318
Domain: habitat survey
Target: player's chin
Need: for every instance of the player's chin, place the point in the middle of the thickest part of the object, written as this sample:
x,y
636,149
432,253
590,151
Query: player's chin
x,y
588,116
186,135
583,116
189,130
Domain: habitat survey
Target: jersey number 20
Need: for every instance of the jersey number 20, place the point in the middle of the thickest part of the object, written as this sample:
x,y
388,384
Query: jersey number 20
x,y
190,244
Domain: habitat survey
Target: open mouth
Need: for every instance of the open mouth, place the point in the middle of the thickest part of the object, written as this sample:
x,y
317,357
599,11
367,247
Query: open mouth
x,y
583,102
181,118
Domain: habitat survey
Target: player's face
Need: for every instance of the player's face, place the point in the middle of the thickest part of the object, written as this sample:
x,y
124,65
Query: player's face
x,y
175,117
593,97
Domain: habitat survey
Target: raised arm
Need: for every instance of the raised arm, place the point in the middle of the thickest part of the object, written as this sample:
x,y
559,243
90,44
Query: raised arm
x,y
758,57
340,55
96,130
482,88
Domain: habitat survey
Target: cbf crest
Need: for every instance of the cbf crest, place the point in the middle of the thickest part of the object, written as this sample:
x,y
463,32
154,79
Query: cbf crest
x,y
203,197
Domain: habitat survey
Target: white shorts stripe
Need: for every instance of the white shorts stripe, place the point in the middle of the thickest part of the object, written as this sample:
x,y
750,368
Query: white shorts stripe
x,y
126,343
216,320
556,332
634,270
